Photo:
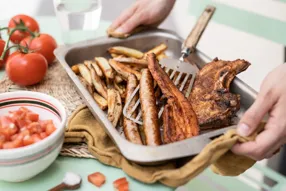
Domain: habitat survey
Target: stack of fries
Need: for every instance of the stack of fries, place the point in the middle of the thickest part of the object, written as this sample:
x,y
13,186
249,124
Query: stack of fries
x,y
106,78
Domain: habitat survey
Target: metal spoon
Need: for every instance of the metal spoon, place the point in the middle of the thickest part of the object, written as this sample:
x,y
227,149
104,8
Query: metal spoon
x,y
71,181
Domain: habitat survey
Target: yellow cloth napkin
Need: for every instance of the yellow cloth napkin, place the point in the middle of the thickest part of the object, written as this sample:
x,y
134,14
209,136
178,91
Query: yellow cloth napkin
x,y
83,127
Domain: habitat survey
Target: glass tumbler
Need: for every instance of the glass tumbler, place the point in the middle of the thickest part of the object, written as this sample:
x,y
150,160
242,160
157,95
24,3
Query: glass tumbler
x,y
79,19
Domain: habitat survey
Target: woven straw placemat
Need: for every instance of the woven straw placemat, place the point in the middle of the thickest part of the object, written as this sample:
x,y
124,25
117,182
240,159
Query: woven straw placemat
x,y
57,84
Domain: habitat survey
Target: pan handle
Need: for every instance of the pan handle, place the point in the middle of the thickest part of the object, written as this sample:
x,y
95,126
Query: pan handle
x,y
192,40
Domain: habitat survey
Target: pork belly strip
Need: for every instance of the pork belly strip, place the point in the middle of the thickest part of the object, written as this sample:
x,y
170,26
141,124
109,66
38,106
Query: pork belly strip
x,y
183,115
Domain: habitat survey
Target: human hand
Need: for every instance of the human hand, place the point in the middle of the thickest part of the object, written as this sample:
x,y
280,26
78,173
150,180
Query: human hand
x,y
270,100
142,12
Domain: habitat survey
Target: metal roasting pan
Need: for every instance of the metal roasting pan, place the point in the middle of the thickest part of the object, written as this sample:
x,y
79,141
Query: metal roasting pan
x,y
76,53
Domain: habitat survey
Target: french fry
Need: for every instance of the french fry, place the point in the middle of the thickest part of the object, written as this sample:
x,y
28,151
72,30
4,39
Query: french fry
x,y
97,69
158,49
75,69
124,70
105,67
161,56
114,55
142,63
89,87
136,68
119,70
98,84
87,63
100,101
114,106
109,83
85,73
90,64
120,88
118,79
130,52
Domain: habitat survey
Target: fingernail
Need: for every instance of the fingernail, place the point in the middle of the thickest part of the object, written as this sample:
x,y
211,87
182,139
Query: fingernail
x,y
119,30
243,129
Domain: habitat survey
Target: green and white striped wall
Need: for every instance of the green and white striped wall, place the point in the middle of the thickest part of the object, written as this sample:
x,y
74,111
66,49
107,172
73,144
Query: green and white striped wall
x,y
264,18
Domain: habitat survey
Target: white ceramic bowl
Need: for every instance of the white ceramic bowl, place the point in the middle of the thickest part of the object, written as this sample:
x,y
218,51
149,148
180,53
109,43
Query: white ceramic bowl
x,y
20,164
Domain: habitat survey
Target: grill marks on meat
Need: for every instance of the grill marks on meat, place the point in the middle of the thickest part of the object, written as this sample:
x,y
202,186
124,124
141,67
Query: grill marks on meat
x,y
179,118
211,99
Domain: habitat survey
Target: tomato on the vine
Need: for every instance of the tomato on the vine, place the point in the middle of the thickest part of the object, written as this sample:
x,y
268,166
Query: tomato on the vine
x,y
26,68
22,20
43,44
2,46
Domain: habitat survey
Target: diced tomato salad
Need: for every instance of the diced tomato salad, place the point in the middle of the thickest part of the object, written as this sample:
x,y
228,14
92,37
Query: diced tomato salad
x,y
23,127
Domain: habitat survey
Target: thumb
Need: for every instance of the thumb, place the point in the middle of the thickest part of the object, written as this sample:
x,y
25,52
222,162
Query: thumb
x,y
254,115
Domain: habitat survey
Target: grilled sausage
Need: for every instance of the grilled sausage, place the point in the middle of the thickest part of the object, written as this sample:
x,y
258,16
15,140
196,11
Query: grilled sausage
x,y
149,109
130,128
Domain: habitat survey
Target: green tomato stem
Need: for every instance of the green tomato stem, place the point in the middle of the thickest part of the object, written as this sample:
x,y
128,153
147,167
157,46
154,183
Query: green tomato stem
x,y
21,48
6,50
21,28
4,28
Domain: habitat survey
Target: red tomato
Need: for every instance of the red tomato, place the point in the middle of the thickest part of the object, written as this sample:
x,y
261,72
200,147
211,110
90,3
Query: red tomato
x,y
9,145
2,140
8,128
24,109
24,132
14,137
43,135
119,181
43,44
18,142
97,179
121,184
6,122
28,21
34,127
18,114
28,140
44,123
2,46
26,69
50,128
32,116
36,138
21,123
123,187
